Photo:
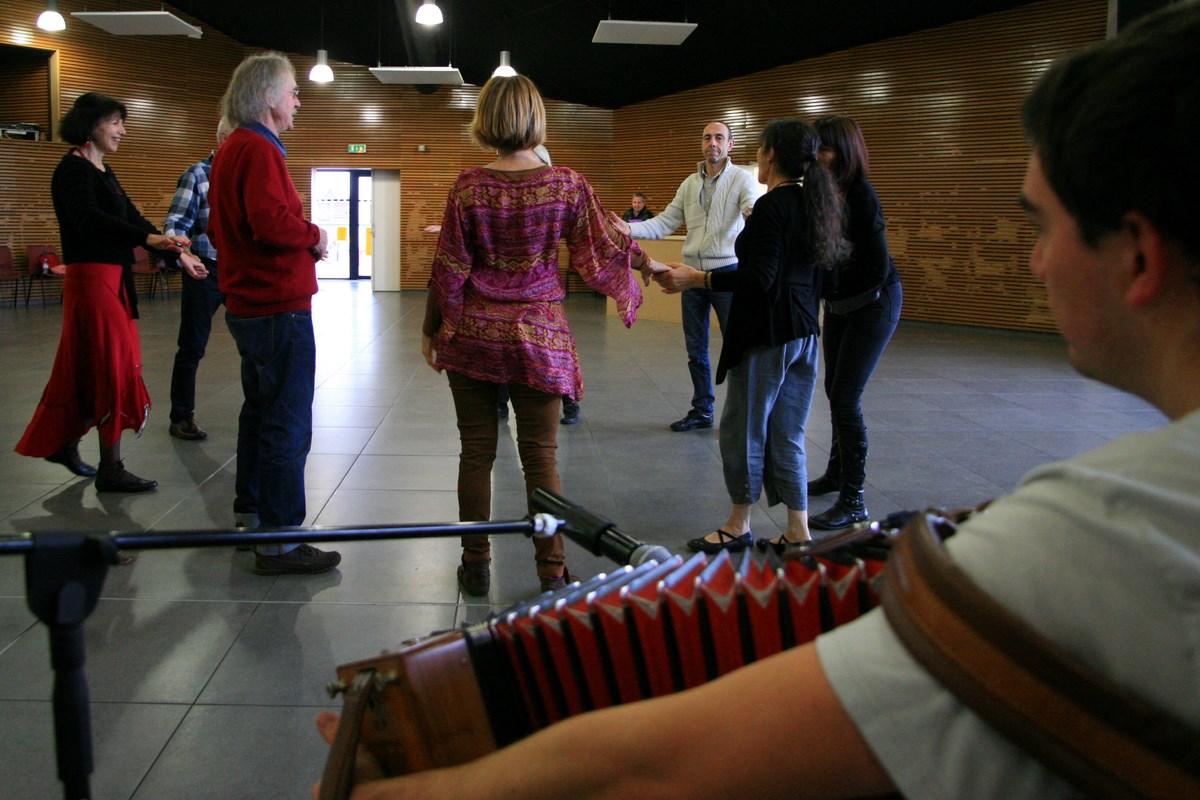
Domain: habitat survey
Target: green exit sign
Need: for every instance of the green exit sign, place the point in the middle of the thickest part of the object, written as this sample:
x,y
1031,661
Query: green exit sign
x,y
356,148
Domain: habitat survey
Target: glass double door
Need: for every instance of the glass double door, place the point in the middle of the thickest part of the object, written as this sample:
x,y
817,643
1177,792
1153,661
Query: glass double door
x,y
341,203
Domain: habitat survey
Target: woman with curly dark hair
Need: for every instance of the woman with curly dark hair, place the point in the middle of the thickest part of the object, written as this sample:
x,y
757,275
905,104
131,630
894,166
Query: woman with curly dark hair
x,y
770,349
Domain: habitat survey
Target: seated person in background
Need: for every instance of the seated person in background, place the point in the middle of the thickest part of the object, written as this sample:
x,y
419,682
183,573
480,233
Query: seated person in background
x,y
637,209
1100,554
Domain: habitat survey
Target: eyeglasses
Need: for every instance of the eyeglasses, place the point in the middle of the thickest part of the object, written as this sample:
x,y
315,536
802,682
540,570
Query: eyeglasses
x,y
296,92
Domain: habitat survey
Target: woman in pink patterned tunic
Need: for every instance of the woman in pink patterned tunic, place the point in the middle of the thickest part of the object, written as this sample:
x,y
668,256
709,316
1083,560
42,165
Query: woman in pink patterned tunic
x,y
495,312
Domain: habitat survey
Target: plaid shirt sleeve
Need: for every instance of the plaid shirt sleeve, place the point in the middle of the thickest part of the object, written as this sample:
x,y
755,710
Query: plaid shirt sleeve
x,y
188,215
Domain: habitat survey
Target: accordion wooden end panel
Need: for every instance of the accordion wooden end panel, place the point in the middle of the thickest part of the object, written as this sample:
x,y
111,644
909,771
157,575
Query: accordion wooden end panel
x,y
429,712
628,635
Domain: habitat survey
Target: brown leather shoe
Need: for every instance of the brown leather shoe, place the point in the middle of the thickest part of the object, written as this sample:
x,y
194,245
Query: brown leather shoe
x,y
302,560
554,583
475,577
188,430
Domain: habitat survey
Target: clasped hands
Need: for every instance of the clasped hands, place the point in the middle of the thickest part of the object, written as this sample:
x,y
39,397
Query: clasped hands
x,y
178,244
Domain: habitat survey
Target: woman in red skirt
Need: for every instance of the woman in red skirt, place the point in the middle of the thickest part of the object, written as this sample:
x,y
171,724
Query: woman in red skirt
x,y
97,376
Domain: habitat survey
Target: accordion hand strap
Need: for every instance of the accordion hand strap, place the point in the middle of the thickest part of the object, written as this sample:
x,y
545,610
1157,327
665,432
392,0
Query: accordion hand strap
x,y
338,779
1093,732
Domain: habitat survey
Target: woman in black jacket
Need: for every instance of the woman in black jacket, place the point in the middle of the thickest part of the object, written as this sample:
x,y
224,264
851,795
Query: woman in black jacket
x,y
862,308
770,348
96,380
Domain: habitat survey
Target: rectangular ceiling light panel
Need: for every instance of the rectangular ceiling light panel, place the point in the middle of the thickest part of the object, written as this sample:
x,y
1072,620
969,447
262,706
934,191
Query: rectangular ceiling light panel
x,y
621,31
138,23
447,76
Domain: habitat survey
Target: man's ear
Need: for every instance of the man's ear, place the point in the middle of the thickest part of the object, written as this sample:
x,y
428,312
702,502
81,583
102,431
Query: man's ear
x,y
1149,260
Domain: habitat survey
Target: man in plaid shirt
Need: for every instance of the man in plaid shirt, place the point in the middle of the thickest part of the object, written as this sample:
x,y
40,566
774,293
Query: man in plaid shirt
x,y
201,295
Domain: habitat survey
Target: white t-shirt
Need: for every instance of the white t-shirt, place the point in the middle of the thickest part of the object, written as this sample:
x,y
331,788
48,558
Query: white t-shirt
x,y
1101,553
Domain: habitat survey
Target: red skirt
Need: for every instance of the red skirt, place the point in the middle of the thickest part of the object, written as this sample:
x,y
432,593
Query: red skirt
x,y
97,375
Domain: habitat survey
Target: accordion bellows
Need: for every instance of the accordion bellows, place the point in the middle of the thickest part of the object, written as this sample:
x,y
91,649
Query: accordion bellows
x,y
618,637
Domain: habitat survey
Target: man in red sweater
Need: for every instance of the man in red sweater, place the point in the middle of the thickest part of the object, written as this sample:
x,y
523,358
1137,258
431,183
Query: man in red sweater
x,y
268,274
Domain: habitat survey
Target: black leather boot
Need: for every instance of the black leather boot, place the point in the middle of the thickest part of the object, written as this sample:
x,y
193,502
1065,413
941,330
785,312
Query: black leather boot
x,y
831,481
850,507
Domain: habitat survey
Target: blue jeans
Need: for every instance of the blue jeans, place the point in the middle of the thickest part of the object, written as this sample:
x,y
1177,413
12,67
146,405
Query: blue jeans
x,y
199,301
695,304
853,344
279,358
767,399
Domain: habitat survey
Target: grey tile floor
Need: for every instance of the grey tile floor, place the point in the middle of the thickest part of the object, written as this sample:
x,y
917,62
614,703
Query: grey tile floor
x,y
205,678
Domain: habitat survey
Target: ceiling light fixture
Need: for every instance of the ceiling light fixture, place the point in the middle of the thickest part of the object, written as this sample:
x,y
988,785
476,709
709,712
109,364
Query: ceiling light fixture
x,y
139,23
50,19
321,73
429,13
505,69
418,76
624,31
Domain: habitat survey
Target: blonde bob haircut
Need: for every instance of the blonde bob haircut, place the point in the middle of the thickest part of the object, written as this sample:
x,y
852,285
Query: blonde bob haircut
x,y
509,115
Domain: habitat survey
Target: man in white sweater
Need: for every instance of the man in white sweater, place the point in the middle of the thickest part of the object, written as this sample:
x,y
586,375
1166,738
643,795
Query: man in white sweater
x,y
713,201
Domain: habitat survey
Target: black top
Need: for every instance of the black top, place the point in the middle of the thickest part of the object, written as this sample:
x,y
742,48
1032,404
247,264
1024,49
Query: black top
x,y
869,265
640,216
775,291
97,222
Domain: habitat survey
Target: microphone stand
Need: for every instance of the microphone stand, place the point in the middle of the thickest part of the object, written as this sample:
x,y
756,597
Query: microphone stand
x,y
64,573
594,533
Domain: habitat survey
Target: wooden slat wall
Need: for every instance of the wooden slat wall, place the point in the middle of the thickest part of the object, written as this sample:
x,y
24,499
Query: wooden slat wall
x,y
394,121
939,109
171,86
24,89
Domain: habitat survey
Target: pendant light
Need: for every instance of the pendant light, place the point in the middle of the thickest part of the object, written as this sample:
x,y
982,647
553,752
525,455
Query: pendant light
x,y
505,69
429,13
321,73
50,19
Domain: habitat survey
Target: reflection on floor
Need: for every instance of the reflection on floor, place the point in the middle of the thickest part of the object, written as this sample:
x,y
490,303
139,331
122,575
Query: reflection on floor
x,y
205,678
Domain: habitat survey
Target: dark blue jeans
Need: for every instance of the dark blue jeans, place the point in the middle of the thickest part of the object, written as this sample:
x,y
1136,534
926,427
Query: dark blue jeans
x,y
279,356
695,305
853,344
199,301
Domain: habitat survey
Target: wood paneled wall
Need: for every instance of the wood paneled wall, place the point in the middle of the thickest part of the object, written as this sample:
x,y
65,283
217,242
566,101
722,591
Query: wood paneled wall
x,y
939,109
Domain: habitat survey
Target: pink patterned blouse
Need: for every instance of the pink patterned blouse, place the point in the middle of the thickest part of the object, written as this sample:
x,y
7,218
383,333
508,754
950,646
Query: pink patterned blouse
x,y
495,282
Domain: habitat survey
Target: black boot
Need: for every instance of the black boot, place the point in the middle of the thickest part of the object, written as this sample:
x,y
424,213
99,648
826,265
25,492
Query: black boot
x,y
832,479
850,507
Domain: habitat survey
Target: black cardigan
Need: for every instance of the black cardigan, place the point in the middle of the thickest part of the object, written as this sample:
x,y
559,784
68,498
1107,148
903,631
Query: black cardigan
x,y
869,265
97,221
776,293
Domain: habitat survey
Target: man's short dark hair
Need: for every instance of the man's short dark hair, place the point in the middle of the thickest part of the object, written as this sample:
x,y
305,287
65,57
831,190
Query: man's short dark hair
x,y
90,110
1115,128
728,127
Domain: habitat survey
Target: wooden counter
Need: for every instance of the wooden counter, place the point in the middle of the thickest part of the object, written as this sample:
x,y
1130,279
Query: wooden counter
x,y
656,305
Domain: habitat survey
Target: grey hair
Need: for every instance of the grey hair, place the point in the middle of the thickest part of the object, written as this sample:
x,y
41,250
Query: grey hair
x,y
225,127
256,85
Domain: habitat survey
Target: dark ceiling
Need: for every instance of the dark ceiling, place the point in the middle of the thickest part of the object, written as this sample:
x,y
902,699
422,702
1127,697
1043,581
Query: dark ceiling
x,y
551,40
